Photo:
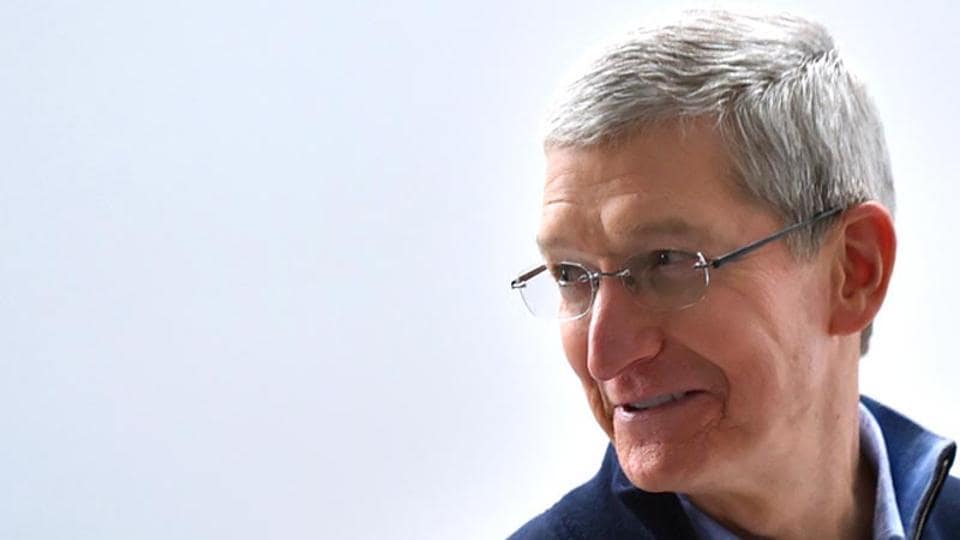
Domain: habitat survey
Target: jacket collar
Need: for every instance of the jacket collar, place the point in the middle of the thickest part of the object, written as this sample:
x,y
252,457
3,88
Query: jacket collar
x,y
919,463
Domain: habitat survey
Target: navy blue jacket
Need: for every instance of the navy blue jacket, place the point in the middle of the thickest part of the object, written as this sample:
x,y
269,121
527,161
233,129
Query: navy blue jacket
x,y
610,507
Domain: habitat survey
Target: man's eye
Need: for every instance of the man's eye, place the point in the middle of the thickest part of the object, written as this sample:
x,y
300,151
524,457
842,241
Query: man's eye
x,y
566,274
665,257
660,260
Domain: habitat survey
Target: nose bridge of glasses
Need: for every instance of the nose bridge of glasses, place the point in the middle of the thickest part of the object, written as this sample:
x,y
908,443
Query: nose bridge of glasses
x,y
623,275
623,272
596,276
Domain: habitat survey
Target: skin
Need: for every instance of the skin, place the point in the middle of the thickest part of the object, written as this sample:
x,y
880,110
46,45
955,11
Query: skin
x,y
767,439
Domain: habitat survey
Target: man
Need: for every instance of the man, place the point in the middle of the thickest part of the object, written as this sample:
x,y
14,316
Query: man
x,y
718,238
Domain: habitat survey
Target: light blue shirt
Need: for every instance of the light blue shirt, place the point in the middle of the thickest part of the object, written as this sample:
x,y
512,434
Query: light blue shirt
x,y
886,514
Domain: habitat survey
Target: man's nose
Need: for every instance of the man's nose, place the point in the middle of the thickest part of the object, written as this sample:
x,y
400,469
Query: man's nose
x,y
621,331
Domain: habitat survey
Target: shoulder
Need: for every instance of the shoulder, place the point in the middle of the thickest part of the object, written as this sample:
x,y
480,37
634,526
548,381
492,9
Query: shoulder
x,y
560,521
580,514
609,507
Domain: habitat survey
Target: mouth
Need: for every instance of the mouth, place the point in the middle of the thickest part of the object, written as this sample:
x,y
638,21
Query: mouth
x,y
660,401
664,418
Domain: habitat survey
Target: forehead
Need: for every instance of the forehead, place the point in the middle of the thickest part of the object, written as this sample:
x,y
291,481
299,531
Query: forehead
x,y
674,180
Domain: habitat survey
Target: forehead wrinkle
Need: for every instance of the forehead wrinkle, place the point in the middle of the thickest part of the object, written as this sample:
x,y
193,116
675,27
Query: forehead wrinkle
x,y
590,188
609,240
637,218
572,227
671,226
564,240
606,195
613,229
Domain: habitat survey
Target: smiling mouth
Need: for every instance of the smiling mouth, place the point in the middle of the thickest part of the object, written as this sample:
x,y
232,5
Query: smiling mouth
x,y
657,401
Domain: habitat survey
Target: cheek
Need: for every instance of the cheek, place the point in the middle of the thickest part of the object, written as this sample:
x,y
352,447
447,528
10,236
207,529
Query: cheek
x,y
760,346
574,338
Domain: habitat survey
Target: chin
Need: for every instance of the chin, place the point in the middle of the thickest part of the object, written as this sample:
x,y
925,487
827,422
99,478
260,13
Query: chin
x,y
662,467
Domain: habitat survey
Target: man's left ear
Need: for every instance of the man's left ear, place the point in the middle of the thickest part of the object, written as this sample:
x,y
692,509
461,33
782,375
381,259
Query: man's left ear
x,y
865,251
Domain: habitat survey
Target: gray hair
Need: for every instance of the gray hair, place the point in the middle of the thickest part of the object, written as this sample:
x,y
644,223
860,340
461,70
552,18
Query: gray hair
x,y
801,130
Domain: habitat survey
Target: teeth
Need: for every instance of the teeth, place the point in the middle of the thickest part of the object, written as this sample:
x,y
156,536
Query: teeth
x,y
656,401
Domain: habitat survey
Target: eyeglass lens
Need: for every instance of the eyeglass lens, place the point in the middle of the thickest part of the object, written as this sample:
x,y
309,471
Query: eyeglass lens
x,y
660,280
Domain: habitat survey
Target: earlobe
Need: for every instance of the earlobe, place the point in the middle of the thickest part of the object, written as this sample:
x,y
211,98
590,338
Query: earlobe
x,y
865,254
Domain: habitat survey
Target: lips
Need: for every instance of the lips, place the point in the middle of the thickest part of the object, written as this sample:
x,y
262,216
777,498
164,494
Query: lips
x,y
655,401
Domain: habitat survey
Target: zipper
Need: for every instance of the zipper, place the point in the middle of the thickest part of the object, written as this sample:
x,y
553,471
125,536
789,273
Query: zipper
x,y
942,469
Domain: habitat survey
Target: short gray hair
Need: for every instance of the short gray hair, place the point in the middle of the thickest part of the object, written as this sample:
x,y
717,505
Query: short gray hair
x,y
801,130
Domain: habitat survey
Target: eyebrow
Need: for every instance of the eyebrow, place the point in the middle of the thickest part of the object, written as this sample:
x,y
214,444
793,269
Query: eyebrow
x,y
664,227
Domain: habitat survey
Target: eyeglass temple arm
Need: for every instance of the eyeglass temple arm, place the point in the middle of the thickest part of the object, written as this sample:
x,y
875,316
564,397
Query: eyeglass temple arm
x,y
717,262
521,281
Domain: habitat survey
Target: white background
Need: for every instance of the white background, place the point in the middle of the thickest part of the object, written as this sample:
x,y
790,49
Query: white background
x,y
255,261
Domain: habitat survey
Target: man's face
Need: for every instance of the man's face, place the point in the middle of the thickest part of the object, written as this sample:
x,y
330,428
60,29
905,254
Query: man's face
x,y
744,362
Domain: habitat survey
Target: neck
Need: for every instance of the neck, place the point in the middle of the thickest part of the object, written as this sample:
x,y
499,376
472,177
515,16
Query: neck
x,y
820,487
